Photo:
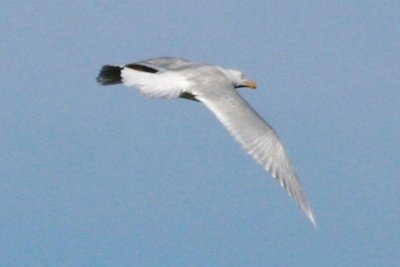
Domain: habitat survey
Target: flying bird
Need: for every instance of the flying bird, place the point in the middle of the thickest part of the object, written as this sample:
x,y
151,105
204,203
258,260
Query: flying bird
x,y
215,87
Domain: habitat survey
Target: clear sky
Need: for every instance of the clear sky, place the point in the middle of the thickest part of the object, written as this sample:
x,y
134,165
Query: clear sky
x,y
102,176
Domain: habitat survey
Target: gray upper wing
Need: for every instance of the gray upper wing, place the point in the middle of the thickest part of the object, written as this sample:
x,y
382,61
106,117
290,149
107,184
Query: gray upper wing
x,y
165,63
258,139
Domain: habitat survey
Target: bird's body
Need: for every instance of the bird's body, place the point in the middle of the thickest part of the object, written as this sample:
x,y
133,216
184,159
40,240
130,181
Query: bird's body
x,y
216,88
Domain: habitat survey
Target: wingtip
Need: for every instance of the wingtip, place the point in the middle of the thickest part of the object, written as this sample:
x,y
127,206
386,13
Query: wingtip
x,y
109,75
311,217
313,221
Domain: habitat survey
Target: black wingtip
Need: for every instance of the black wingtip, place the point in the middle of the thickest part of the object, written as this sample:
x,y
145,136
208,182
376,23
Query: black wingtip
x,y
142,68
109,75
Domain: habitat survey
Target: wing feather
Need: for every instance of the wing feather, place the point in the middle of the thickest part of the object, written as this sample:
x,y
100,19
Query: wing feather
x,y
258,139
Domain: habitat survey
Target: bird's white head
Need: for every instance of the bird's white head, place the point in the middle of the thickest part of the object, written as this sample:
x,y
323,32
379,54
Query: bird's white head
x,y
239,80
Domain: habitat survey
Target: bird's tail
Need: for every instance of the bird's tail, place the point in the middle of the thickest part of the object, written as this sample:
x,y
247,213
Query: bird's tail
x,y
109,75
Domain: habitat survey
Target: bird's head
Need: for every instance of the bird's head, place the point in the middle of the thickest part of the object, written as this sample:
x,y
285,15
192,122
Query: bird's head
x,y
239,80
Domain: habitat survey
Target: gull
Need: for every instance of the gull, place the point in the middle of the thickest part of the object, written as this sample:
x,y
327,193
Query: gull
x,y
215,87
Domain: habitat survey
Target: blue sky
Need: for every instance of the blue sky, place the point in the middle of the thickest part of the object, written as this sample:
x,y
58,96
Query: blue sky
x,y
102,176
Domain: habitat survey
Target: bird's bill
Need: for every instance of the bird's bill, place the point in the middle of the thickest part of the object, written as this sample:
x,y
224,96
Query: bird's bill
x,y
251,84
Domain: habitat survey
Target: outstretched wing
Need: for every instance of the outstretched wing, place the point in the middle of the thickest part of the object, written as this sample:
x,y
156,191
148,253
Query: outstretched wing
x,y
257,138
